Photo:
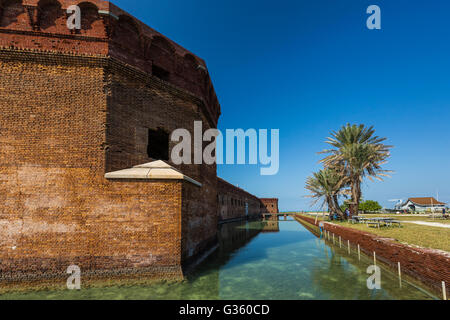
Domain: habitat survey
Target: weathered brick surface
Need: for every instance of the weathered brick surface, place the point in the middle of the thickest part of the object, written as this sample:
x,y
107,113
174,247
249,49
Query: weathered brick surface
x,y
233,201
199,221
105,227
427,265
270,205
108,31
53,113
136,104
77,105
57,208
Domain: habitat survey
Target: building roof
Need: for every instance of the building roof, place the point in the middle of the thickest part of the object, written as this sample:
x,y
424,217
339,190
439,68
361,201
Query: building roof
x,y
427,201
156,170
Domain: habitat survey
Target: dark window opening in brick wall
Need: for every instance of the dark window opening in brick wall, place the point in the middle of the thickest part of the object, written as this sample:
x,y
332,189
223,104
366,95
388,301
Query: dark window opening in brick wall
x,y
10,12
160,73
158,144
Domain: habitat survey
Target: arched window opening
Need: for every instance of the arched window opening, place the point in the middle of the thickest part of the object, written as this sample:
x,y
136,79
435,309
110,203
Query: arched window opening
x,y
161,53
89,15
10,12
127,34
190,61
49,11
163,44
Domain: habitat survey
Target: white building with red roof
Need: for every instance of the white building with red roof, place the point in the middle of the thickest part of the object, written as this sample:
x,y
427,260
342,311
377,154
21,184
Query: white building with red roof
x,y
422,205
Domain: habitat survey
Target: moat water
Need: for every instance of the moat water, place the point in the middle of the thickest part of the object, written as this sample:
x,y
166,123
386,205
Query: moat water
x,y
263,260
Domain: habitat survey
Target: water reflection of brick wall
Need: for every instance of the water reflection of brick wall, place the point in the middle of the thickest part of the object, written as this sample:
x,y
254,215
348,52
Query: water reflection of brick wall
x,y
271,226
235,235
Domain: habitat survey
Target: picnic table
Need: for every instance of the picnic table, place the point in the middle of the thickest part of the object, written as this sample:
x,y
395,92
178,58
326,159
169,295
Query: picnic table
x,y
356,220
439,216
379,222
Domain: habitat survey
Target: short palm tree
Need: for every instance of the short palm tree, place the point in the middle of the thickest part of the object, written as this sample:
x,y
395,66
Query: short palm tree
x,y
326,185
357,153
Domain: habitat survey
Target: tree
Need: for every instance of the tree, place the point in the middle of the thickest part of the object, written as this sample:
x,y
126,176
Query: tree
x,y
370,206
357,153
326,185
366,206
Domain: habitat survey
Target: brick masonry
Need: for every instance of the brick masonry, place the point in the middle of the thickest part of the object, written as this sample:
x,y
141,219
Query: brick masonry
x,y
57,208
429,266
106,31
235,203
270,205
77,105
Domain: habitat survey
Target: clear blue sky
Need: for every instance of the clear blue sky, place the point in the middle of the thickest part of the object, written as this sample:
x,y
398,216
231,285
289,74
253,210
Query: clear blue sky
x,y
308,67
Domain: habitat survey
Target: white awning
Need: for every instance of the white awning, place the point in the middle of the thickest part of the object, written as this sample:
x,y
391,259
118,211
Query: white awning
x,y
156,170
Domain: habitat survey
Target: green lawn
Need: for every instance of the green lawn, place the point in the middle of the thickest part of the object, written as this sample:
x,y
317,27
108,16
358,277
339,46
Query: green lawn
x,y
412,234
418,218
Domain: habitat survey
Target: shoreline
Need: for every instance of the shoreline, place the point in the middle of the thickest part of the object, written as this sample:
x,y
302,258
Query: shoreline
x,y
428,266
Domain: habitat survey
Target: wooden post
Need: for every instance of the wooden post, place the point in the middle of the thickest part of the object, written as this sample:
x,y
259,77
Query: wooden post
x,y
348,242
444,291
340,242
333,238
316,219
374,258
400,274
359,252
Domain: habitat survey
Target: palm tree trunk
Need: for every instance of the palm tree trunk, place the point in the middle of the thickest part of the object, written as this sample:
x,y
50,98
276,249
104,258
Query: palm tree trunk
x,y
338,208
333,206
330,206
356,196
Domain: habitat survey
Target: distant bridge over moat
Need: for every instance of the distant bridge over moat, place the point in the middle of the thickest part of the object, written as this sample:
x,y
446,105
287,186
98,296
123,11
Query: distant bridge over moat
x,y
277,216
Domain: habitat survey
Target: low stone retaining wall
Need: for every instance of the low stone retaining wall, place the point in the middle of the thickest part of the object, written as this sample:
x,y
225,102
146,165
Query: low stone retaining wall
x,y
427,265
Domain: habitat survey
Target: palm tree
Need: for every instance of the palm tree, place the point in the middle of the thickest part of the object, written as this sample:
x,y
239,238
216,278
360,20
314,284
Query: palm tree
x,y
357,152
326,185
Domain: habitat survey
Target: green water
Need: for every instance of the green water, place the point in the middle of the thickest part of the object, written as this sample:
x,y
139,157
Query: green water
x,y
263,260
